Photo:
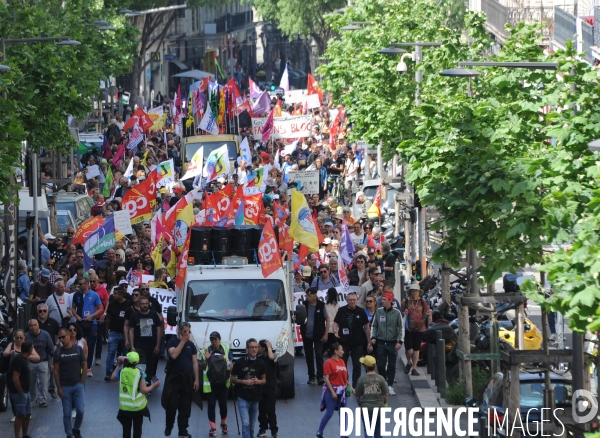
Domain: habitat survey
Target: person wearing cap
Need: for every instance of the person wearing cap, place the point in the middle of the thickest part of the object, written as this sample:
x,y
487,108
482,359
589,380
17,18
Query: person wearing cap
x,y
299,284
418,314
387,331
216,392
70,366
132,394
325,250
314,334
371,392
41,290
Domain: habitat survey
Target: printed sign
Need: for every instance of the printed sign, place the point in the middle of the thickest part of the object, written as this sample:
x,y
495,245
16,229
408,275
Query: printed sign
x,y
307,181
321,296
166,298
122,222
284,127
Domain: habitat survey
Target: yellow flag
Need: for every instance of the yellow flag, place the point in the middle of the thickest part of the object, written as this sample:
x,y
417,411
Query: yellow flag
x,y
183,225
157,255
144,158
172,265
303,228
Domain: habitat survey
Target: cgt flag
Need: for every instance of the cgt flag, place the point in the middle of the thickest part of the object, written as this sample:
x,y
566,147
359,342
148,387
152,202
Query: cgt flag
x,y
268,251
139,118
137,202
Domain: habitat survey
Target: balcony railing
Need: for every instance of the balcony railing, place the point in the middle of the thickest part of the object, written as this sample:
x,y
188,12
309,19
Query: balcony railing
x,y
233,21
587,34
499,15
597,26
565,26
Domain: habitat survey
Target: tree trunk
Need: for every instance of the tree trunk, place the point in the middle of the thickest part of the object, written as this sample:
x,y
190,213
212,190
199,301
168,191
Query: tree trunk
x,y
135,82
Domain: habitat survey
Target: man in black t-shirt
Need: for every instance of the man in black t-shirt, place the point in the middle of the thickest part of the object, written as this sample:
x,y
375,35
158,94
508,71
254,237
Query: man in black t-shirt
x,y
70,371
18,388
267,418
248,374
115,312
183,377
145,337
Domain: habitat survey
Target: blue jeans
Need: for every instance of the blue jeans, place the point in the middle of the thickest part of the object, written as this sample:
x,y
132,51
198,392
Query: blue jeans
x,y
91,338
249,415
386,353
331,405
376,431
73,399
116,342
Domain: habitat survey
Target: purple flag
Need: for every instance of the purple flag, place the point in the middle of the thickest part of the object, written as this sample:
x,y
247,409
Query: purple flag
x,y
267,127
346,246
262,104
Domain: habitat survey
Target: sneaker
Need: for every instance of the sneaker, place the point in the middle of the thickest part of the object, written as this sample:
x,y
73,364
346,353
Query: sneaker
x,y
224,429
43,405
391,391
213,432
552,337
407,368
319,435
12,420
414,373
107,378
310,382
262,433
90,374
274,435
76,433
321,382
98,362
168,430
54,395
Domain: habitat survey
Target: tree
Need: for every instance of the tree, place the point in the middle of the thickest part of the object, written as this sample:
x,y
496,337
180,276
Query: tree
x,y
304,17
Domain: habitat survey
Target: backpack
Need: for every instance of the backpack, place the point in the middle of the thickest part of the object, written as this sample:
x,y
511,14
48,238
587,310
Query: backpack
x,y
217,371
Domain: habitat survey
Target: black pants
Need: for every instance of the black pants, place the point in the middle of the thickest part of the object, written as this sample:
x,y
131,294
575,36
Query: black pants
x,y
313,349
100,340
150,359
355,352
217,393
179,400
267,419
129,420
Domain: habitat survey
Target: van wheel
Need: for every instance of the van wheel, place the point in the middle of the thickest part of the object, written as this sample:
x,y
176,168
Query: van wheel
x,y
290,391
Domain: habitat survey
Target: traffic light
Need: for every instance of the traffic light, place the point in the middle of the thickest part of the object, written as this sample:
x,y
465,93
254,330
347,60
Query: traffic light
x,y
417,268
273,87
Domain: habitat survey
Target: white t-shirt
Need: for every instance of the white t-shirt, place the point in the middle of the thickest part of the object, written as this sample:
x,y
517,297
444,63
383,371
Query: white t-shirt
x,y
358,240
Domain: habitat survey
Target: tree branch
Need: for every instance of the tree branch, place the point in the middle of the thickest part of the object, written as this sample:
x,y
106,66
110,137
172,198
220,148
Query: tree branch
x,y
160,38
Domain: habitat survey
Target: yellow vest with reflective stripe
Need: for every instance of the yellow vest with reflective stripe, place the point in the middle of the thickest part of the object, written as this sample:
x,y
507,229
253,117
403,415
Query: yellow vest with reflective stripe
x,y
130,397
205,382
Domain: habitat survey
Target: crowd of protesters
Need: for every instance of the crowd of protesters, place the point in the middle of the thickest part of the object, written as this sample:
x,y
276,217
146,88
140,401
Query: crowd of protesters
x,y
75,311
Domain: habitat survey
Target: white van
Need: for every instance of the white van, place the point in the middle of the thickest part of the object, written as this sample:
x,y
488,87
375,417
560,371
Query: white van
x,y
26,205
239,303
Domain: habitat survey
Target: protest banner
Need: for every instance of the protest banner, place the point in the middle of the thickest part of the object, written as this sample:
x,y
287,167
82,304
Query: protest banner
x,y
166,298
299,297
283,127
123,222
307,181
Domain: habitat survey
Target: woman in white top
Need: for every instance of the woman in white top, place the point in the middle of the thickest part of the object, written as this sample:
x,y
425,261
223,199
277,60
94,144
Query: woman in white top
x,y
242,173
332,306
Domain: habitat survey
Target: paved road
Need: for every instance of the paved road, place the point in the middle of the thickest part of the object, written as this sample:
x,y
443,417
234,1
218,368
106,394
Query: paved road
x,y
298,417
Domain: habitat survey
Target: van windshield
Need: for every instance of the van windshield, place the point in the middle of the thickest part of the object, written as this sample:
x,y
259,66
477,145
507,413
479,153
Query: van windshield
x,y
209,146
235,300
68,205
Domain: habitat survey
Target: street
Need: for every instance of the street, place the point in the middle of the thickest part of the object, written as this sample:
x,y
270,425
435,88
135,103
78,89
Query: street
x,y
298,417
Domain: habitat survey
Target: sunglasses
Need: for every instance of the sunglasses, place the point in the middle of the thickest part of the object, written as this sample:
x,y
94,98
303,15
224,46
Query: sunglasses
x,y
73,330
370,301
61,337
323,272
144,289
135,295
42,311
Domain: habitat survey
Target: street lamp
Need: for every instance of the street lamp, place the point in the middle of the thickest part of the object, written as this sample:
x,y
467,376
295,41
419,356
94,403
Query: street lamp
x,y
416,56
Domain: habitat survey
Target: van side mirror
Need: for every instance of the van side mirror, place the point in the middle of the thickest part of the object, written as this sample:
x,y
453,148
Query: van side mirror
x,y
470,402
300,314
172,316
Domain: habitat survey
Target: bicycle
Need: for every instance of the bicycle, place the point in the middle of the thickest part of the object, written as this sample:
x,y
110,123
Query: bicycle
x,y
337,188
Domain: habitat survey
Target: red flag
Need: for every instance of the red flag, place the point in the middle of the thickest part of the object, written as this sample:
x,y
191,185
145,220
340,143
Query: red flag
x,y
140,118
285,240
178,98
280,214
220,202
136,202
170,217
244,106
254,209
268,251
235,215
120,154
268,127
377,201
302,253
333,131
320,236
87,228
182,262
312,87
343,277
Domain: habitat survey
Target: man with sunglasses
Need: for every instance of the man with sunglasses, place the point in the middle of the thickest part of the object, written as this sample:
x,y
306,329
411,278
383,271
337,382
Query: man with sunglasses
x,y
51,327
324,281
358,237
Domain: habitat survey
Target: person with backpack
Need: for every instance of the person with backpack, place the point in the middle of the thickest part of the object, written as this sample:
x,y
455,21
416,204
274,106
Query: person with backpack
x,y
417,316
215,363
133,404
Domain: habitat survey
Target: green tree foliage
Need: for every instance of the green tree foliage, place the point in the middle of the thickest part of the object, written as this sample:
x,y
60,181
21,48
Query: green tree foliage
x,y
304,17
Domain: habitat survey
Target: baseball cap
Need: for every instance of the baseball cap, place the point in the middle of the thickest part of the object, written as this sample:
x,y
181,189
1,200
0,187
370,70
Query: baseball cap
x,y
327,241
103,161
133,357
328,224
45,273
311,290
177,189
414,286
49,236
123,282
368,361
215,335
306,271
163,190
388,295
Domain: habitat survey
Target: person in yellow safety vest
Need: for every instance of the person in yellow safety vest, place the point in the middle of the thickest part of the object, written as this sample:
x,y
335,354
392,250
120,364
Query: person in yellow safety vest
x,y
132,394
216,381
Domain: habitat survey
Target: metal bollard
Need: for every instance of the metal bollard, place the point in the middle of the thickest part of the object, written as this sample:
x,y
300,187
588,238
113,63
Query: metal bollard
x,y
440,359
430,359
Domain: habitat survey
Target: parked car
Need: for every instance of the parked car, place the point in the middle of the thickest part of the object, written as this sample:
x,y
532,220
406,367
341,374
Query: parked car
x,y
491,403
79,205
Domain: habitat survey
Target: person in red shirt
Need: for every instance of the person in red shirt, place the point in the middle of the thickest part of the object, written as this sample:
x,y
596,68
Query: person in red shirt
x,y
334,389
103,294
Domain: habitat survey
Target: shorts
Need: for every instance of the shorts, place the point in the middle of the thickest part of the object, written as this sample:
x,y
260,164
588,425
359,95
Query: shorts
x,y
21,404
412,340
